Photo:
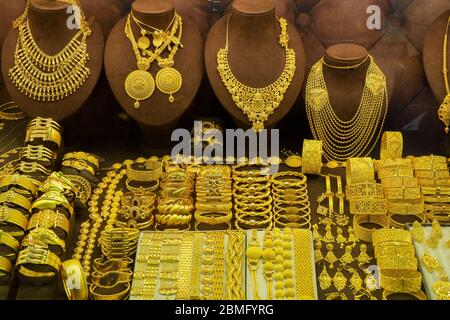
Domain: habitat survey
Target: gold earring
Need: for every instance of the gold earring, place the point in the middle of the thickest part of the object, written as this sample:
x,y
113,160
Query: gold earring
x,y
363,258
318,251
417,232
324,279
330,257
339,281
328,235
340,239
347,257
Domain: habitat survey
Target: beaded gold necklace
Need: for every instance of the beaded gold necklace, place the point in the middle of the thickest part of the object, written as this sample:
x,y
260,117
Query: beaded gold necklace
x,y
44,77
346,139
258,103
444,109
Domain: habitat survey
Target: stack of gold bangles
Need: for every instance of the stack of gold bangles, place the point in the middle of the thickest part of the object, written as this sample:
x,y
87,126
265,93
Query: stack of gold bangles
x,y
44,131
366,198
401,190
48,229
252,196
144,177
81,164
291,204
175,203
396,259
213,196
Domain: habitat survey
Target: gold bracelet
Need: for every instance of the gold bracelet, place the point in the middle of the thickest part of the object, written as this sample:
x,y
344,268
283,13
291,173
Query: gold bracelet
x,y
329,194
394,249
42,135
152,171
433,182
39,154
9,246
79,165
312,157
391,235
304,274
435,191
50,219
369,206
31,168
402,193
184,267
46,238
405,219
45,122
37,264
196,266
396,262
215,218
234,265
74,280
119,292
365,234
360,170
401,280
13,222
340,194
406,207
430,163
420,295
387,172
5,269
14,181
364,190
398,182
92,159
11,198
219,267
51,200
142,189
6,114
391,145
432,174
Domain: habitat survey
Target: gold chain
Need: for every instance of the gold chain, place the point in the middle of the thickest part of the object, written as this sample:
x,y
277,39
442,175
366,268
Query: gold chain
x,y
258,103
184,269
304,284
353,138
234,260
49,78
444,109
217,290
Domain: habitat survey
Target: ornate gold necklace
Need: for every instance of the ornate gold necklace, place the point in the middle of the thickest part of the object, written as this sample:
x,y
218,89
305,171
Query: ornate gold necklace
x,y
444,109
44,77
258,103
353,138
140,84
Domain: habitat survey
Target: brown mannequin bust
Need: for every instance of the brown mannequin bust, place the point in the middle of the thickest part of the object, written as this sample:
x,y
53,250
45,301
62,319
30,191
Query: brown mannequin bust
x,y
433,56
255,55
48,23
345,87
120,61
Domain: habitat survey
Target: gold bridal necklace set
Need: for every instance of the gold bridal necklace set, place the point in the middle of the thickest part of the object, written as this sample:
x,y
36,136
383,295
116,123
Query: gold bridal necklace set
x,y
140,84
44,77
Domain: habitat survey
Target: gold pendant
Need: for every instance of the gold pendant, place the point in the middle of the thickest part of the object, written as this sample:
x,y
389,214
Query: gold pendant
x,y
143,43
158,38
169,81
430,262
143,64
441,289
139,85
444,113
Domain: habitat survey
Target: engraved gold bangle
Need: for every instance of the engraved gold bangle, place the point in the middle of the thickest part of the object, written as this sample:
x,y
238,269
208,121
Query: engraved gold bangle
x,y
119,292
74,280
312,157
14,199
365,234
11,111
420,295
213,218
151,172
368,206
51,200
39,154
5,269
398,182
23,182
391,235
50,219
364,190
400,221
406,207
386,249
402,193
401,280
435,191
397,262
391,145
9,246
395,172
13,222
47,136
93,160
37,264
430,163
433,182
45,122
46,238
79,165
360,170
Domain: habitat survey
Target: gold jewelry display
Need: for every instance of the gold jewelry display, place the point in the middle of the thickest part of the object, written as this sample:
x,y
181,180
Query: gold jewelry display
x,y
358,136
140,84
258,104
391,145
44,77
444,109
312,157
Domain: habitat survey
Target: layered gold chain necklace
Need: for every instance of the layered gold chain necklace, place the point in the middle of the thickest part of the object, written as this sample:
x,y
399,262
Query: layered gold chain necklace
x,y
44,77
258,103
353,138
444,109
140,84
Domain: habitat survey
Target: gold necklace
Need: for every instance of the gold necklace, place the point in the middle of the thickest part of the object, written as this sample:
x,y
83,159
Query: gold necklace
x,y
353,138
44,77
140,84
258,103
444,109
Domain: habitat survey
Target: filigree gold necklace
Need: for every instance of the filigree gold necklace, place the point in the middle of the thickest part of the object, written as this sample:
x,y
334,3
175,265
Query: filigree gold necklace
x,y
346,139
444,109
44,77
258,103
140,84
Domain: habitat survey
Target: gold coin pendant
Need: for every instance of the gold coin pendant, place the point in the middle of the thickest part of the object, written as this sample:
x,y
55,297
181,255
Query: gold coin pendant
x,y
139,85
169,81
143,43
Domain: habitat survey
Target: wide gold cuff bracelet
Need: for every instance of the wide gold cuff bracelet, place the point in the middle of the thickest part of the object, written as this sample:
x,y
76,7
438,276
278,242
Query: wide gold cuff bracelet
x,y
74,280
18,181
402,193
13,222
406,207
360,170
50,219
430,163
401,280
312,157
391,145
397,262
368,206
419,295
386,249
9,246
364,190
398,182
364,233
14,199
37,264
391,235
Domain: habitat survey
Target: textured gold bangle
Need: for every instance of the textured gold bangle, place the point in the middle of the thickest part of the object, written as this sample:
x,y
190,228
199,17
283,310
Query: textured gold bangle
x,y
5,269
430,163
74,280
397,262
6,114
402,224
219,268
365,234
391,235
9,181
369,206
432,174
386,249
10,244
184,267
94,160
387,172
360,170
402,193
420,295
13,221
44,131
391,145
79,165
364,190
406,207
36,263
304,275
110,294
213,218
50,219
401,280
312,157
433,182
435,191
398,182
15,199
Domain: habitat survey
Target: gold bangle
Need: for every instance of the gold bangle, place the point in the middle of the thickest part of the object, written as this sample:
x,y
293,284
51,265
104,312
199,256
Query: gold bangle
x,y
368,206
397,262
213,206
430,163
51,200
365,234
6,114
50,219
402,193
398,182
433,182
5,269
142,189
42,135
74,280
112,295
93,160
435,191
364,190
23,182
111,279
420,295
39,154
213,218
37,264
405,219
406,207
304,280
391,235
151,172
82,187
312,157
386,172
45,122
46,238
13,222
360,170
386,249
340,193
391,145
79,165
401,280
104,266
15,199
432,174
31,168
9,246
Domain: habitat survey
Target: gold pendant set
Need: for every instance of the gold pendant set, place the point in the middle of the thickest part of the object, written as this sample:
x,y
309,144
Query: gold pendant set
x,y
140,84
